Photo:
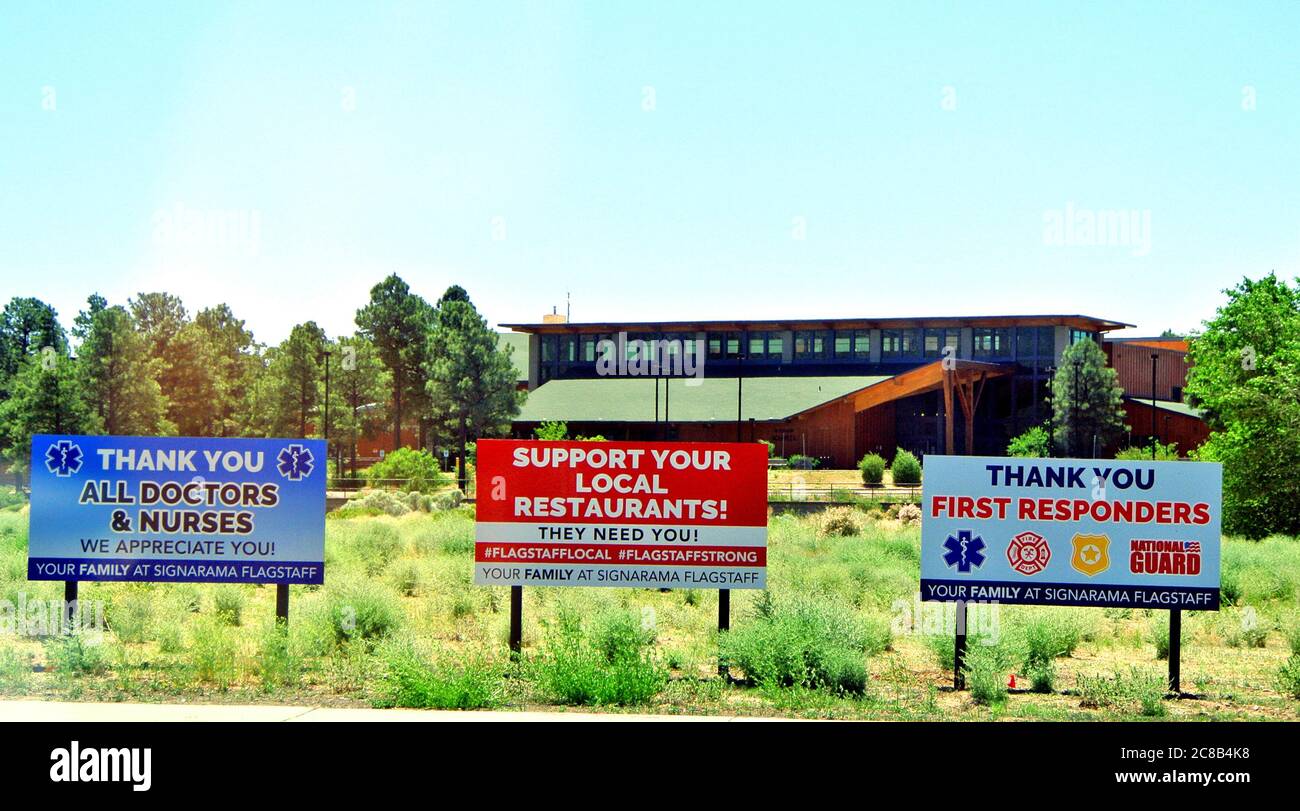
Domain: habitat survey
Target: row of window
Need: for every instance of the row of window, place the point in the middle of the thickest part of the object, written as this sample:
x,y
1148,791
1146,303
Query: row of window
x,y
986,343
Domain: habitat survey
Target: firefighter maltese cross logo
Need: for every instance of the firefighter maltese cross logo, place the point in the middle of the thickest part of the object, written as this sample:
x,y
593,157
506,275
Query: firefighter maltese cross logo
x,y
63,458
1028,553
1091,553
295,462
965,551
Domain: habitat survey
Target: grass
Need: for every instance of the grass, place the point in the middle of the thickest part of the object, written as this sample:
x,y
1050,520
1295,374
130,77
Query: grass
x,y
400,623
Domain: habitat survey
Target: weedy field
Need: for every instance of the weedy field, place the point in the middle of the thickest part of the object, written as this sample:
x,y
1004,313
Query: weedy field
x,y
839,634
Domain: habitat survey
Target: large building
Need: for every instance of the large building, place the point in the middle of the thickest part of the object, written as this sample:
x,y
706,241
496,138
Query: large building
x,y
835,389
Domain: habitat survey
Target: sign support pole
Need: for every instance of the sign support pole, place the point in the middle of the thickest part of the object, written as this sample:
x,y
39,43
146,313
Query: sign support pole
x,y
282,605
724,624
959,647
1175,650
69,605
516,621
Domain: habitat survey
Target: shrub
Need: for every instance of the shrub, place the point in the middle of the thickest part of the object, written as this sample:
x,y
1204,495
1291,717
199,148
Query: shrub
x,y
986,669
1288,677
375,543
130,613
417,470
379,502
771,448
872,468
571,669
1032,443
1137,453
805,643
228,604
1292,633
618,634
407,577
1138,690
76,654
1159,632
1049,635
213,654
412,680
15,670
909,514
906,469
552,431
279,662
840,522
798,461
1042,677
447,500
361,610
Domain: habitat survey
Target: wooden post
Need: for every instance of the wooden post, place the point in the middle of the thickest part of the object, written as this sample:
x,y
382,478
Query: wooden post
x,y
947,411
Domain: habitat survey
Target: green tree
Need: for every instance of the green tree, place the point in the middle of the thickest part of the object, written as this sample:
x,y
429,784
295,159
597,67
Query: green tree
x,y
358,396
1032,443
471,382
1087,400
1245,377
27,326
552,430
45,399
118,376
159,317
235,362
297,371
397,322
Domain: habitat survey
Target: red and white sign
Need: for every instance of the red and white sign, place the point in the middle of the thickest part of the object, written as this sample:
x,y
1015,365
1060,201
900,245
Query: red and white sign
x,y
638,514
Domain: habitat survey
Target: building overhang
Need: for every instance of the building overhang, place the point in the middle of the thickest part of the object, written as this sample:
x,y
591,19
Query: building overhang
x,y
1078,321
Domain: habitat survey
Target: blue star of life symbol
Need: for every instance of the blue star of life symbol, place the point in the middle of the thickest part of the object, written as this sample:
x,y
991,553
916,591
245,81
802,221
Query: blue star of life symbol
x,y
964,551
295,462
63,458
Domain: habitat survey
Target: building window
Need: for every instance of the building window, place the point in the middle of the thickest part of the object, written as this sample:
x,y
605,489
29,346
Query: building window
x,y
588,348
862,344
912,343
810,344
1077,335
776,346
843,344
991,343
937,339
548,348
891,343
568,348
715,345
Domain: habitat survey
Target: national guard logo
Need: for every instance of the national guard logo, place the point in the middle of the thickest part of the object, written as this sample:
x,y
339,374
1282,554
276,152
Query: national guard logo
x,y
1091,553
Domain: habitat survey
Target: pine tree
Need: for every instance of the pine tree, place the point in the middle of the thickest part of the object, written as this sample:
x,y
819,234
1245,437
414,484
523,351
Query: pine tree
x,y
1087,401
471,382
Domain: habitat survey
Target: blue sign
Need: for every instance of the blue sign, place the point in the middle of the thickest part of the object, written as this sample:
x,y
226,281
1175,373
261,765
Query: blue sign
x,y
1084,532
177,509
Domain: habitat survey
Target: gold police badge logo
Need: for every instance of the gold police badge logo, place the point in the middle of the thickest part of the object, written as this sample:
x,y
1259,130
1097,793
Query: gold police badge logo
x,y
1091,553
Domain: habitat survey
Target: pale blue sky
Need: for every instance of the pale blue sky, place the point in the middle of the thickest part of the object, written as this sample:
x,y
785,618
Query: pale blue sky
x,y
507,147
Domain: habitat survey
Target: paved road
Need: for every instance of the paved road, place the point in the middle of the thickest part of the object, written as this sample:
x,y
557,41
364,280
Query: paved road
x,y
36,710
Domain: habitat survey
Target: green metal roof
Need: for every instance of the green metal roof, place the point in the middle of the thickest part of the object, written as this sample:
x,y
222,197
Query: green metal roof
x,y
632,399
519,342
1172,405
